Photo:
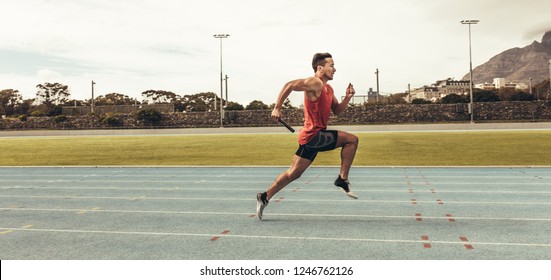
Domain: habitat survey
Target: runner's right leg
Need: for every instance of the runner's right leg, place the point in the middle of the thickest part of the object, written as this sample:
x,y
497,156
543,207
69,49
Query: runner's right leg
x,y
298,167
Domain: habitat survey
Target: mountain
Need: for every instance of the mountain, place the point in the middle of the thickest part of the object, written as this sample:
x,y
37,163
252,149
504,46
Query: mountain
x,y
517,64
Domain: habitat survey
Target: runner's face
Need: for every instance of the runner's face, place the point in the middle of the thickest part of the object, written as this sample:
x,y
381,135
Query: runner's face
x,y
329,69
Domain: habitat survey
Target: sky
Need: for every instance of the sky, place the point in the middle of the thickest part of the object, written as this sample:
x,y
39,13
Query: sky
x,y
130,46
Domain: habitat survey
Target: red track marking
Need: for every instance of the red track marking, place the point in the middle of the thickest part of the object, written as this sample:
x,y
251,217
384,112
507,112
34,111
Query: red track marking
x,y
440,201
467,246
252,216
218,237
418,217
413,201
432,191
279,200
426,245
410,190
450,218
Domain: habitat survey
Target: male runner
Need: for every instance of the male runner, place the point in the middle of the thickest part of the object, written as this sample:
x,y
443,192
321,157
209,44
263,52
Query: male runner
x,y
314,137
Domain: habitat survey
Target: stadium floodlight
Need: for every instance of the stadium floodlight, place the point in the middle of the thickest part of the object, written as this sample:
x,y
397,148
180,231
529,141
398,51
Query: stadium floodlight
x,y
470,22
221,36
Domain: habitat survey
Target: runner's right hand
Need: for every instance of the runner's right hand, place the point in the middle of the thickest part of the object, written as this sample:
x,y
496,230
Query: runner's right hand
x,y
276,114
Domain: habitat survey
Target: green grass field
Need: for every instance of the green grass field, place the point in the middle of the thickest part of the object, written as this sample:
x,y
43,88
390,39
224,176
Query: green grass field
x,y
502,148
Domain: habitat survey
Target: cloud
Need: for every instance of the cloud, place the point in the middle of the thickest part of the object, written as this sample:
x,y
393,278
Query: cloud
x,y
132,46
47,75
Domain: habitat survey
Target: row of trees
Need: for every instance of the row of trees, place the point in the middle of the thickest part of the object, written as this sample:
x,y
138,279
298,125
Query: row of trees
x,y
50,97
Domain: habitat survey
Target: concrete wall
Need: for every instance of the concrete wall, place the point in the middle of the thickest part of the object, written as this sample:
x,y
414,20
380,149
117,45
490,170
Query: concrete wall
x,y
357,115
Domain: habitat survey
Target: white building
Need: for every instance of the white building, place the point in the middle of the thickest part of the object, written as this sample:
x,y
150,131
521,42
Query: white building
x,y
501,83
440,89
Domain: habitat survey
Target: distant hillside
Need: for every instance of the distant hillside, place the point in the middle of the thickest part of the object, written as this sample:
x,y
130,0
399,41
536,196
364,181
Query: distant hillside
x,y
517,64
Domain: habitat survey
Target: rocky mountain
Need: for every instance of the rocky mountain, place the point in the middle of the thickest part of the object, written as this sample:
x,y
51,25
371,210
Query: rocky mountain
x,y
517,64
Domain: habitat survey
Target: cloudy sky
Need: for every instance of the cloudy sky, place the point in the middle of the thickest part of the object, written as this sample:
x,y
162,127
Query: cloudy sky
x,y
130,46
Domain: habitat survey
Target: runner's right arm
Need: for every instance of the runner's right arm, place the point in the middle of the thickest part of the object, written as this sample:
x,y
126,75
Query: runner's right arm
x,y
310,86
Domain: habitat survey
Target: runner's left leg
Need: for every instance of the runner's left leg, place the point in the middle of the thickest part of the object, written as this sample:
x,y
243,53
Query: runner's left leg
x,y
349,144
298,167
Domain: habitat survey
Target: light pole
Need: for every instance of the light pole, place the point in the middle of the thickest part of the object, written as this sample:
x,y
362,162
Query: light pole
x,y
92,101
226,80
221,36
470,22
377,74
549,79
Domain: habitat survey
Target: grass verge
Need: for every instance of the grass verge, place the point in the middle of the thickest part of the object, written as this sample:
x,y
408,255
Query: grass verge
x,y
503,148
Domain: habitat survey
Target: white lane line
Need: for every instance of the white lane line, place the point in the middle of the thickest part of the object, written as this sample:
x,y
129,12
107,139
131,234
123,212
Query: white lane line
x,y
290,200
310,238
211,181
97,210
217,189
194,174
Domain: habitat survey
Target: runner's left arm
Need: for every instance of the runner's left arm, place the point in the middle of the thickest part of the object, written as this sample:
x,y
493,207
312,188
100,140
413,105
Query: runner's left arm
x,y
337,107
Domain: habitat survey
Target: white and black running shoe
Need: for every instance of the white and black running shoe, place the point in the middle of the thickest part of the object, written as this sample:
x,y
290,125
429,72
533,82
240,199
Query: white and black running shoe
x,y
344,185
261,203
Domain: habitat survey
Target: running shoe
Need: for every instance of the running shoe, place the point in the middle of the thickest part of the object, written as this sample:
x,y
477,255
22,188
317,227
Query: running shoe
x,y
344,185
261,203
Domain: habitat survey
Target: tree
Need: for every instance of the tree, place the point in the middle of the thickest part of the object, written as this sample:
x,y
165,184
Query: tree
x,y
51,94
149,116
485,96
398,98
453,99
234,106
10,100
541,90
115,99
287,104
159,96
257,105
522,96
199,102
506,93
420,101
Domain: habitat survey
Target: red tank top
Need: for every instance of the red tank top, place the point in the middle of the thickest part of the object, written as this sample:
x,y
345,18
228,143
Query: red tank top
x,y
316,115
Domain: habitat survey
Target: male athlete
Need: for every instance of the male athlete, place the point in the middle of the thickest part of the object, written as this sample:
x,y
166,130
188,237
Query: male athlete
x,y
314,137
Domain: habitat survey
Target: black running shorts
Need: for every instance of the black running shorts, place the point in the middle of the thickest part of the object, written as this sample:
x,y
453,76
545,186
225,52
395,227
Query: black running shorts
x,y
325,140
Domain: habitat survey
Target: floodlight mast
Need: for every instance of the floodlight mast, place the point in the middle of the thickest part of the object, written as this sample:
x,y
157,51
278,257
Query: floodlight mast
x,y
470,22
221,36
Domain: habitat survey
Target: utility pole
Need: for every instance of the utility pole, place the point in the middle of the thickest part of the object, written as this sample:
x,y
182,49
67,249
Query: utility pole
x,y
409,93
92,100
549,91
226,79
377,74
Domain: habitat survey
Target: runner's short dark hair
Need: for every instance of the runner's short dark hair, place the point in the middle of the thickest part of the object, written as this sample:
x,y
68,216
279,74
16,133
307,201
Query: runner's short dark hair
x,y
319,60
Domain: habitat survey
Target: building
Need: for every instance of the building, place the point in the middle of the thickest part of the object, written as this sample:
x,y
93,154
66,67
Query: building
x,y
371,97
501,83
440,89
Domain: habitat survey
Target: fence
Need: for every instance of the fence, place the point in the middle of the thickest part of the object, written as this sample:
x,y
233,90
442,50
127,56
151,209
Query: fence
x,y
357,115
122,109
